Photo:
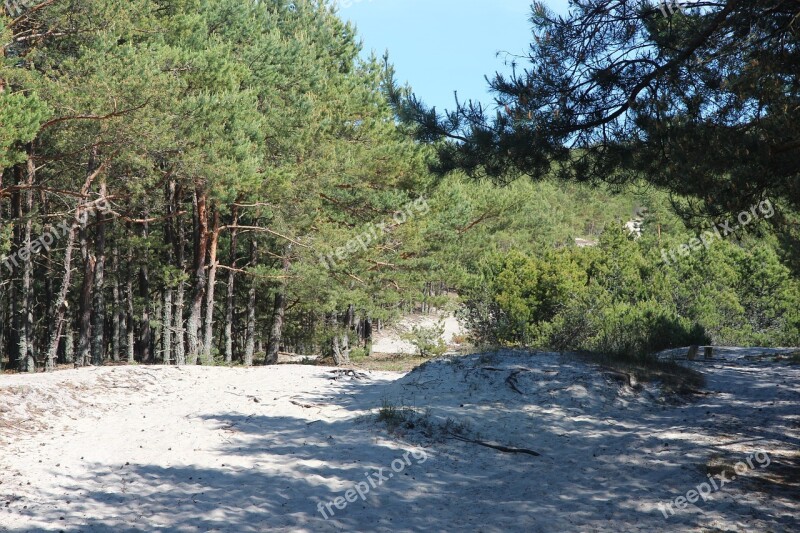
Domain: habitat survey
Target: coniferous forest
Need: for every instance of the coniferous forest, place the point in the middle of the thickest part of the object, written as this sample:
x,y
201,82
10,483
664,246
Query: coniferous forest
x,y
214,182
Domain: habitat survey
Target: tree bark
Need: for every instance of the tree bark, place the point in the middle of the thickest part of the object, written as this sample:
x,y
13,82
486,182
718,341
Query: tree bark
x,y
250,343
166,345
208,358
341,338
85,307
229,301
61,302
200,249
116,329
99,327
276,332
26,355
145,332
180,329
278,314
130,343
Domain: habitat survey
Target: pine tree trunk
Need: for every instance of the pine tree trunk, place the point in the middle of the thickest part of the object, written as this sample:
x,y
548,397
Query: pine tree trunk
x,y
278,314
16,357
69,344
49,295
341,337
98,329
145,332
180,258
158,331
229,301
275,334
180,330
61,304
208,341
116,329
85,308
27,360
130,343
200,249
250,342
166,344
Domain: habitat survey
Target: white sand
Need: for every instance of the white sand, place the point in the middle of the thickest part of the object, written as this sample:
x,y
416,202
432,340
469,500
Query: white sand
x,y
389,340
212,449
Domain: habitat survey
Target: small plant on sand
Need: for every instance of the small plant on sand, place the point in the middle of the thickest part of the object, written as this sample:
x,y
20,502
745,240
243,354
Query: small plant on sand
x,y
427,340
394,416
453,427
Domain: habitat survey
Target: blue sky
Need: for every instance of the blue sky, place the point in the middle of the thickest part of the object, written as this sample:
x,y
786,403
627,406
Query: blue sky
x,y
441,46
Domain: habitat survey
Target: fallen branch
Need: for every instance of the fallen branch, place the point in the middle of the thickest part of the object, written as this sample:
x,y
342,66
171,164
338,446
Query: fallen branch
x,y
495,446
511,381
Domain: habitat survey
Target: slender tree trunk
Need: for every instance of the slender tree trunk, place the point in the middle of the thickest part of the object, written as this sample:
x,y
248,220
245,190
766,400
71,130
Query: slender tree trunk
x,y
278,314
130,344
85,308
250,343
145,332
166,344
116,329
180,329
158,331
212,279
200,249
69,344
27,359
49,294
276,332
61,306
169,244
98,330
229,301
61,303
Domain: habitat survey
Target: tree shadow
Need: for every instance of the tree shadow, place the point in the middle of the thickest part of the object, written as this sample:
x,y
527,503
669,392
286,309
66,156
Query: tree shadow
x,y
607,461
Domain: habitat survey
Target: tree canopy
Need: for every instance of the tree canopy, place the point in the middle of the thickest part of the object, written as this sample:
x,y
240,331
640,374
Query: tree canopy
x,y
703,100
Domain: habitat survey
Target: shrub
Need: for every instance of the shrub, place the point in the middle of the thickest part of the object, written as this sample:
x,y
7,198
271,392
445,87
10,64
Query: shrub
x,y
427,340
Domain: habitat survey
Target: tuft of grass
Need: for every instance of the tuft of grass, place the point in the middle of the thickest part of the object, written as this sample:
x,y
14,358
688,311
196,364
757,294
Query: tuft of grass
x,y
394,416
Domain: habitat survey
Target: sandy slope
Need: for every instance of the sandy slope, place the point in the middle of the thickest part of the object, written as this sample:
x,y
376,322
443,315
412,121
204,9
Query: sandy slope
x,y
237,450
389,341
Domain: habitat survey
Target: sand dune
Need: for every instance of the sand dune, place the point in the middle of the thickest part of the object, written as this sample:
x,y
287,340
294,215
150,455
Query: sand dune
x,y
265,449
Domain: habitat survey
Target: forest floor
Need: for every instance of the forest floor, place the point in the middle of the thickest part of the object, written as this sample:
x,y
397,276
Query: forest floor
x,y
450,446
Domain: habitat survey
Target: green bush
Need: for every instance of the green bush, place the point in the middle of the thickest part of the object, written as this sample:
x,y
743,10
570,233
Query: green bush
x,y
621,299
427,340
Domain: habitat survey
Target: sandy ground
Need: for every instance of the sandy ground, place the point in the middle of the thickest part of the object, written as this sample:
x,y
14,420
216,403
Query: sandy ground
x,y
251,450
389,340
